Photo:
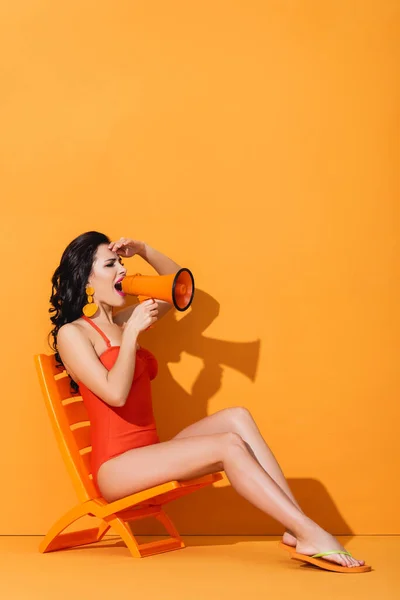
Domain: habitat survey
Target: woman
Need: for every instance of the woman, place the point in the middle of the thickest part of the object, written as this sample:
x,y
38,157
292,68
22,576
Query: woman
x,y
102,356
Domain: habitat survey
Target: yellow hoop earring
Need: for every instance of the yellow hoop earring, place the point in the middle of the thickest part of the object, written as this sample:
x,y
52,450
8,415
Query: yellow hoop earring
x,y
90,308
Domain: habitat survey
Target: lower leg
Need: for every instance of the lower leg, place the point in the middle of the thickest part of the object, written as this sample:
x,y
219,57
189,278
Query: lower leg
x,y
258,448
270,465
262,453
252,482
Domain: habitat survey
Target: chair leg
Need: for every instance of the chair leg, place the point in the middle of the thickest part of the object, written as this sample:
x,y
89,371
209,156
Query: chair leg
x,y
56,540
169,526
102,530
174,542
125,533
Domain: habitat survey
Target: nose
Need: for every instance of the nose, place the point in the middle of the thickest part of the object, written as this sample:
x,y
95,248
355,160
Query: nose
x,y
123,271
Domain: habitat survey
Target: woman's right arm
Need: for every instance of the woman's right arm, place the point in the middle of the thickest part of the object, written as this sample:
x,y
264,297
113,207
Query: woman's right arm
x,y
79,356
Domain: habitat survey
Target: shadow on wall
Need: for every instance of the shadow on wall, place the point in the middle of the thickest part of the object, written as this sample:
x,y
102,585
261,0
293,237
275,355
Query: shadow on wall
x,y
174,407
220,510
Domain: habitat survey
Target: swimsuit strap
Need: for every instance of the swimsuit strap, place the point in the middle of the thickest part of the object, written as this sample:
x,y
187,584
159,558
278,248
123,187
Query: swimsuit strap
x,y
103,335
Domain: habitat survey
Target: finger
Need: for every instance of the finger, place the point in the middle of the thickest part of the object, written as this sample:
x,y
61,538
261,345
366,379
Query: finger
x,y
151,315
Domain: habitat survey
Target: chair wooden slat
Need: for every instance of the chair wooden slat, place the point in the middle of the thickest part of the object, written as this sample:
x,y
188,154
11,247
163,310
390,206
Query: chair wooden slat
x,y
82,436
86,462
64,388
76,412
49,363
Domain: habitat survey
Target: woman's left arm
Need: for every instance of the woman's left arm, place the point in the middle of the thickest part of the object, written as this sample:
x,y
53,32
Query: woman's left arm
x,y
160,262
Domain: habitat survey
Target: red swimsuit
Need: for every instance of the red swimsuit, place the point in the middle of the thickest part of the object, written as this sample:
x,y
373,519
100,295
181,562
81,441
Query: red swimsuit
x,y
115,430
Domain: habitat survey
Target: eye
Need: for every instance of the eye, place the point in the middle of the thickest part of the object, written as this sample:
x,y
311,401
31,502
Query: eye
x,y
113,263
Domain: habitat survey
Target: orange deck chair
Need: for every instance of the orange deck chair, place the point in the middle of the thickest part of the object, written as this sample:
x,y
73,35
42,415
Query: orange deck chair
x,y
71,426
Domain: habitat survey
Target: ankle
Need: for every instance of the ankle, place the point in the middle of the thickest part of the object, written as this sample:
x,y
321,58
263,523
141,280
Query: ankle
x,y
305,529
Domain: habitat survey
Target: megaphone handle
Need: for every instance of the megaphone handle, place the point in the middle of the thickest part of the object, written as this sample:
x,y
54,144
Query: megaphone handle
x,y
142,299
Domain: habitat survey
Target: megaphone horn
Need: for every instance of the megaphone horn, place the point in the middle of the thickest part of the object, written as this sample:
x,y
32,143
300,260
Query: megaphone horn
x,y
177,289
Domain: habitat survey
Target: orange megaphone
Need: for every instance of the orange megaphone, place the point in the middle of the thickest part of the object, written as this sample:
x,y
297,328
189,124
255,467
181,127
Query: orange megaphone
x,y
177,289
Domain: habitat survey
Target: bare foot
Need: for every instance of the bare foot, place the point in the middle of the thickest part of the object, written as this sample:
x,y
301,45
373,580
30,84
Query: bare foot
x,y
289,539
318,540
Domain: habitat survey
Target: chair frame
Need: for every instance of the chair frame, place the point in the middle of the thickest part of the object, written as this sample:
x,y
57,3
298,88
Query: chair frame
x,y
71,427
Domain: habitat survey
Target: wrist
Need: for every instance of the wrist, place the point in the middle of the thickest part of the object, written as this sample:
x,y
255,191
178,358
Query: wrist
x,y
133,333
143,251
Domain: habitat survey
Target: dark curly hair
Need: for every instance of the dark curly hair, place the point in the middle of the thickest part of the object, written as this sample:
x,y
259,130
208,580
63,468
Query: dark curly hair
x,y
68,295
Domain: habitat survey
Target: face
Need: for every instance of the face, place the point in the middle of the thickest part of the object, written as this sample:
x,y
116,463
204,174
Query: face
x,y
107,270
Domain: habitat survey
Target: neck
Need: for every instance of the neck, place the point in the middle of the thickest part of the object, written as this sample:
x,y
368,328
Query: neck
x,y
105,314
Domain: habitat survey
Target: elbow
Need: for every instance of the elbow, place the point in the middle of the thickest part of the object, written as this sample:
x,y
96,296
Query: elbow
x,y
114,399
119,402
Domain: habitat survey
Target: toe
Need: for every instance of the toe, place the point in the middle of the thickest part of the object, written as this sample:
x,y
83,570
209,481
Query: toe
x,y
341,560
360,563
349,562
345,560
354,562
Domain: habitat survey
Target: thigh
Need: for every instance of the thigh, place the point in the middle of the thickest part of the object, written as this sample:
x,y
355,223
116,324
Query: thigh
x,y
147,466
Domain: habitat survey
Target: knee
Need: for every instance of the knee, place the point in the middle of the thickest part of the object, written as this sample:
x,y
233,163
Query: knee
x,y
232,447
232,439
239,415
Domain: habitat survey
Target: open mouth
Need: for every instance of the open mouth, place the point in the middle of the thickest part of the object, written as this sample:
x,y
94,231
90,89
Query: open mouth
x,y
118,288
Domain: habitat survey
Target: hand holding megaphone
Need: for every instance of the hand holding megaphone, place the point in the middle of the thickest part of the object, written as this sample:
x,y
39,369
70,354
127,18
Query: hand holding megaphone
x,y
177,289
142,318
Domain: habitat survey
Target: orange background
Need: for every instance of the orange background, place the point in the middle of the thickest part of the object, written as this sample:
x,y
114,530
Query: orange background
x,y
256,143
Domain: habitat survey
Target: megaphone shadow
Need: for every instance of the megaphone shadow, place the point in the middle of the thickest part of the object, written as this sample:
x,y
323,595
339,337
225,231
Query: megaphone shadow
x,y
217,508
174,407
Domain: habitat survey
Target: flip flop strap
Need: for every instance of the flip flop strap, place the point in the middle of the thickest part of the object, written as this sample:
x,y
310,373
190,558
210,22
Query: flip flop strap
x,y
331,552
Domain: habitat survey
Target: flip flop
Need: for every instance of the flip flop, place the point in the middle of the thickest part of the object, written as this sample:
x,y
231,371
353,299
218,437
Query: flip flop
x,y
288,548
328,565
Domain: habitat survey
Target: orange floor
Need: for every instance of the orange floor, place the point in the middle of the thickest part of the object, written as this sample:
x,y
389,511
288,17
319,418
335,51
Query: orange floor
x,y
223,567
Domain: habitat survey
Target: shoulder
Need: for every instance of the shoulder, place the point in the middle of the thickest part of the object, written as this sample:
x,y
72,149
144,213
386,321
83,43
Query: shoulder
x,y
72,331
